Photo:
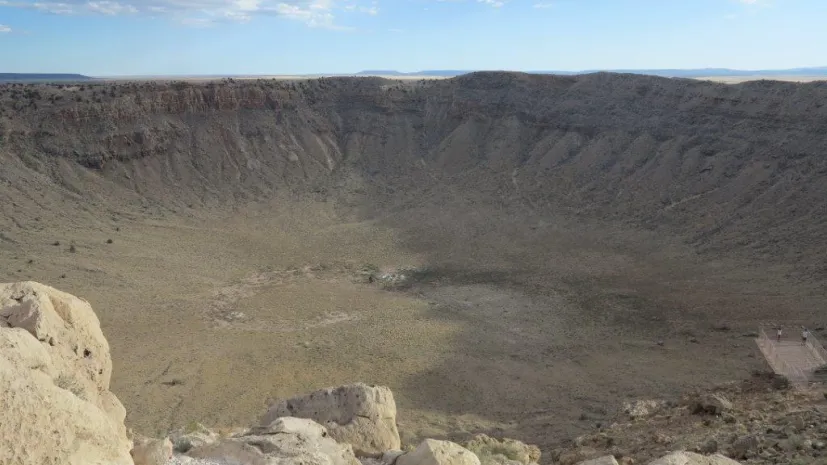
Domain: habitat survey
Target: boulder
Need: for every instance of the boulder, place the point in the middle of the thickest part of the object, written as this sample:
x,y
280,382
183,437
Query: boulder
x,y
285,441
54,382
496,450
658,437
194,435
433,452
389,456
600,440
148,451
67,325
357,414
714,404
642,408
605,460
690,458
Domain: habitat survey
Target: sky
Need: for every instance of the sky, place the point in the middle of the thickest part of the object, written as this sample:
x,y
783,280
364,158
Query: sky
x,y
273,37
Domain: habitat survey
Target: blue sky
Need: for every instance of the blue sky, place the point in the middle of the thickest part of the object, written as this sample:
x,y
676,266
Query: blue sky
x,y
151,37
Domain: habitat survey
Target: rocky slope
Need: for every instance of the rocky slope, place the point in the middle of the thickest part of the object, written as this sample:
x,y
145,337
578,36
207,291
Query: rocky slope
x,y
726,167
760,420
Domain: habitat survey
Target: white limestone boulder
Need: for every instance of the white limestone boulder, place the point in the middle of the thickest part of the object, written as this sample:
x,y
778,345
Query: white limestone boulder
x,y
286,441
55,367
356,414
434,452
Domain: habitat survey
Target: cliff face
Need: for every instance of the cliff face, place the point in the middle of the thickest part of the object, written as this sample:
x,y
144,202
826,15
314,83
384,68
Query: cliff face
x,y
724,166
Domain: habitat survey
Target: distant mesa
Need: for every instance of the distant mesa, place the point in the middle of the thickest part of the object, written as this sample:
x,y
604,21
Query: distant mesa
x,y
812,72
27,77
683,73
382,72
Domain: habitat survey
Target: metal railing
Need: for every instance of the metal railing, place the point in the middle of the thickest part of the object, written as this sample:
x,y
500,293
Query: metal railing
x,y
768,346
815,345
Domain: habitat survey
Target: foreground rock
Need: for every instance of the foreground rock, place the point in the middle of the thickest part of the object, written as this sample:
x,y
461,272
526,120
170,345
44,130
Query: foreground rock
x,y
642,408
390,456
433,452
751,420
285,441
714,404
357,414
148,451
55,367
194,435
492,451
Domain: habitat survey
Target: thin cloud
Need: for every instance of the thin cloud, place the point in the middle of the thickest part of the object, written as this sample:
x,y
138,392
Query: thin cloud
x,y
314,13
372,9
111,8
4,29
492,3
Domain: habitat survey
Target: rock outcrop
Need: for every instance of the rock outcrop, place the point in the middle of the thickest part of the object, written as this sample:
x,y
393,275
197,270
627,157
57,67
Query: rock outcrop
x,y
192,436
714,404
492,451
285,441
148,451
54,382
642,408
757,423
357,414
433,452
390,456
